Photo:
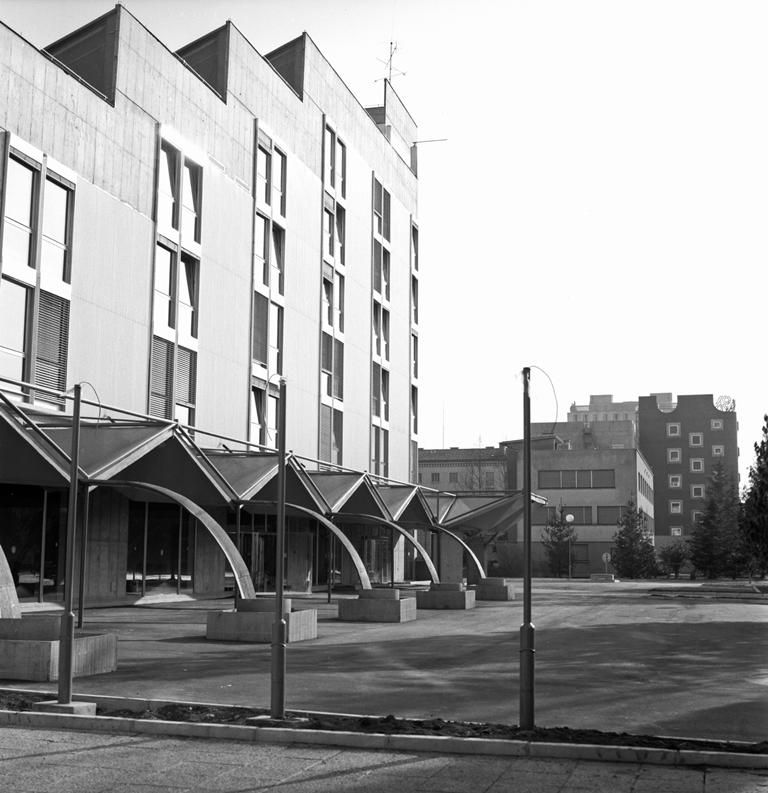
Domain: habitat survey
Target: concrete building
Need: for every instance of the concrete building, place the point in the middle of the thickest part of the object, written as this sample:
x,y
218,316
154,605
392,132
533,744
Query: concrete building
x,y
181,229
601,407
683,440
591,475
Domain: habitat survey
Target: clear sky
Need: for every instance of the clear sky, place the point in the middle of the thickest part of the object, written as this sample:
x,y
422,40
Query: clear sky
x,y
598,210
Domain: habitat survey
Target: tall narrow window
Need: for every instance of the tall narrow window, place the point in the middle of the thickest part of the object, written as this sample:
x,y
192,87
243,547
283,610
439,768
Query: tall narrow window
x,y
260,342
277,262
385,394
275,338
378,207
414,410
185,386
326,364
385,273
341,168
415,247
330,157
261,249
415,354
258,422
377,258
190,205
17,229
339,234
161,378
386,207
376,327
52,344
165,291
328,308
278,180
168,187
54,255
376,390
188,289
339,280
414,300
14,323
264,175
385,334
338,369
328,233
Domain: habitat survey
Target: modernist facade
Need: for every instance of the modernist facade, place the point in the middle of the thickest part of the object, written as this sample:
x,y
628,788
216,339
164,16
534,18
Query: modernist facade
x,y
180,230
684,440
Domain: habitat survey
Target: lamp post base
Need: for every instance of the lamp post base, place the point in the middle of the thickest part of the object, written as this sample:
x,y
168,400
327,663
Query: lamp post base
x,y
527,655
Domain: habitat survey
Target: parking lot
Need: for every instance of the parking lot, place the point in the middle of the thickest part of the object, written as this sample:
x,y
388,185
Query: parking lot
x,y
608,656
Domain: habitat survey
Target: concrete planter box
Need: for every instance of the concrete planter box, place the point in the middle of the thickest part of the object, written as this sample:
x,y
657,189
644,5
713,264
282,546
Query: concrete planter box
x,y
605,577
445,599
29,650
253,621
378,605
495,589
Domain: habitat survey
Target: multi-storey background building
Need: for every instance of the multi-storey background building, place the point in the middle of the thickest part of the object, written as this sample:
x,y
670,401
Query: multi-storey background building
x,y
683,440
181,229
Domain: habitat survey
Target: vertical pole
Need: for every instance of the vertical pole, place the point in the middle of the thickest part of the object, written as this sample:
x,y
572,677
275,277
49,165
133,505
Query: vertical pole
x,y
83,559
178,551
279,625
331,564
67,635
40,589
144,553
527,629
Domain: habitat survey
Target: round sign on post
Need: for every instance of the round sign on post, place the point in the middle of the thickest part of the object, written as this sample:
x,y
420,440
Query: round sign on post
x,y
606,560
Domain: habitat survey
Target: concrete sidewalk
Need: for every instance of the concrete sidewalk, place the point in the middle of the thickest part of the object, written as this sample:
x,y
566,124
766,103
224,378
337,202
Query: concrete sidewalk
x,y
34,760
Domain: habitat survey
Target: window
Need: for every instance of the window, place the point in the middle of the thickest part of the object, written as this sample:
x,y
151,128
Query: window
x,y
185,386
161,378
718,450
490,480
167,188
341,168
165,289
674,455
695,439
258,421
261,249
676,531
15,311
453,477
331,434
697,491
188,289
260,339
385,394
376,390
338,369
577,479
376,325
414,300
339,309
275,362
716,424
264,174
328,301
415,355
190,201
582,516
278,181
673,430
328,233
675,507
435,477
697,465
414,247
277,260
330,157
604,478
675,481
696,516
36,224
549,479
381,209
608,516
339,234
385,334
379,451
414,410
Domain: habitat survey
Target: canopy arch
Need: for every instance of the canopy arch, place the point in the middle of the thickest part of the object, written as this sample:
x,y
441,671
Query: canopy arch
x,y
362,573
242,576
406,535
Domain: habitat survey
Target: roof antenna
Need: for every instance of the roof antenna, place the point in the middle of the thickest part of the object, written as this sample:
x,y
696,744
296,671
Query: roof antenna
x,y
391,71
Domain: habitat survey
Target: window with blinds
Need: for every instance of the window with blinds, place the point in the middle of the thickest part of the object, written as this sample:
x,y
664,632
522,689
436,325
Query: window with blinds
x,y
52,345
161,378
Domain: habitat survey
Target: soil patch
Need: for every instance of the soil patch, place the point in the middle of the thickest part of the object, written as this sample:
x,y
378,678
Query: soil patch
x,y
390,725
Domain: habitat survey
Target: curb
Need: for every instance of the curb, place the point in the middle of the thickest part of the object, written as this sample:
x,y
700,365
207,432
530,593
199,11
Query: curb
x,y
409,743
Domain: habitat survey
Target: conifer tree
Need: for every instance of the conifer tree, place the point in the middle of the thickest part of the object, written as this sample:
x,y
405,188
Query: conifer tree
x,y
754,518
633,554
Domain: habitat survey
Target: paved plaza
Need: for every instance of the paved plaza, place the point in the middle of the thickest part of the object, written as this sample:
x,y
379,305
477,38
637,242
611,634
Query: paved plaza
x,y
608,657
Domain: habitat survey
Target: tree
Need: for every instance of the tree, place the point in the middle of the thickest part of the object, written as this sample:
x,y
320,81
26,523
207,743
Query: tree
x,y
716,542
754,517
633,554
673,556
557,537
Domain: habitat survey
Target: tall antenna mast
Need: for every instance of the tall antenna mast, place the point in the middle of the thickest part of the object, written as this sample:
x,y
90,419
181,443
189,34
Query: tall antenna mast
x,y
389,63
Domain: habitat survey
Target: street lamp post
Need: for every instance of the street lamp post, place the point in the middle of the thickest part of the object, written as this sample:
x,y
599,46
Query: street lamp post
x,y
569,519
279,627
527,629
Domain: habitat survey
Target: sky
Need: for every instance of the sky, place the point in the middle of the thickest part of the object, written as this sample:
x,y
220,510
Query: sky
x,y
598,210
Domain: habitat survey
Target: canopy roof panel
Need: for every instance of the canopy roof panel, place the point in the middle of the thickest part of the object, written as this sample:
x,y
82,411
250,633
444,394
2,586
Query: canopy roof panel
x,y
335,487
246,472
26,457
